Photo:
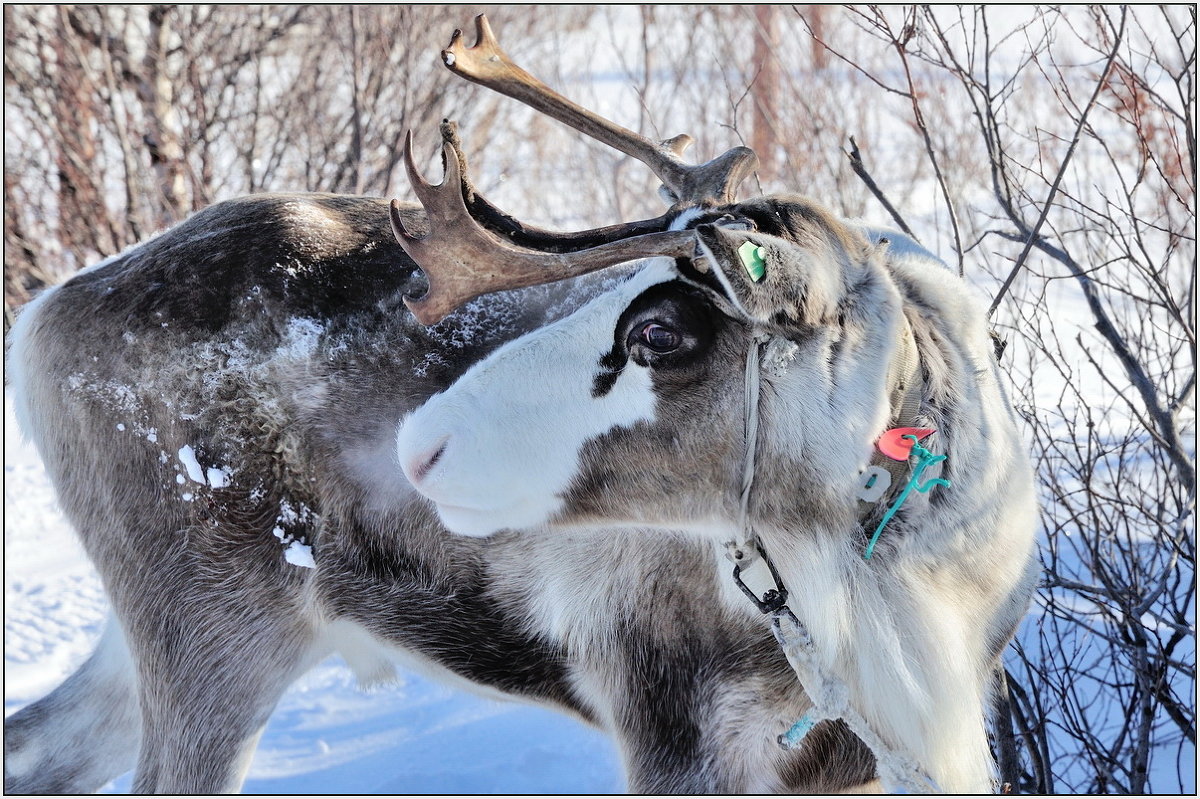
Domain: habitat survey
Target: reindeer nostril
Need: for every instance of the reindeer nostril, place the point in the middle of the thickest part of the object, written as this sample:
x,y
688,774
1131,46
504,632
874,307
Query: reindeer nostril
x,y
423,464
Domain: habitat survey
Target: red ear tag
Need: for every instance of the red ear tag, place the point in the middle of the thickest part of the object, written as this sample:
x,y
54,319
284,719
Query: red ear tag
x,y
893,444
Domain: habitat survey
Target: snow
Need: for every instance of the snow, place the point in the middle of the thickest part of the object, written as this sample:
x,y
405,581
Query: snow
x,y
187,456
420,737
299,554
327,735
301,336
217,477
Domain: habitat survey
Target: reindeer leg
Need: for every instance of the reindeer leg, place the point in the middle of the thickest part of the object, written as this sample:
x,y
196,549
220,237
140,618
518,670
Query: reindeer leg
x,y
208,684
84,733
677,732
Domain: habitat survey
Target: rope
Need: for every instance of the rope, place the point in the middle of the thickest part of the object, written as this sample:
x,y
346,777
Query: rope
x,y
926,458
831,701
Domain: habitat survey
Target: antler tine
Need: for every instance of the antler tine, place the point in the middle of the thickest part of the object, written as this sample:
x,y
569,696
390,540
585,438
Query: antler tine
x,y
422,188
522,235
463,260
487,64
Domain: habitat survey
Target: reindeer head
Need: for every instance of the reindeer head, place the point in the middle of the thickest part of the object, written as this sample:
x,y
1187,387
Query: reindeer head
x,y
631,410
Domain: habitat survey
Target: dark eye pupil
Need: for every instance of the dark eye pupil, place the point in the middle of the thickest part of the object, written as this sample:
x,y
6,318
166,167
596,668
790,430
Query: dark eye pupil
x,y
659,338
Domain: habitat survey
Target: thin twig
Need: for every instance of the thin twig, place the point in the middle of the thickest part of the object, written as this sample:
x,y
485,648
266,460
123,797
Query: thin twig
x,y
1062,169
856,163
901,44
1043,780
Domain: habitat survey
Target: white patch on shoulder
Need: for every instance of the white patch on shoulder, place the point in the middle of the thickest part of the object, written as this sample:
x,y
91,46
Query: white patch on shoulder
x,y
900,245
498,449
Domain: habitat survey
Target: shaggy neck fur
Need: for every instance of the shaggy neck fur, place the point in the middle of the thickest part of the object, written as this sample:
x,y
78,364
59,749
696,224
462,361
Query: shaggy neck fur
x,y
902,631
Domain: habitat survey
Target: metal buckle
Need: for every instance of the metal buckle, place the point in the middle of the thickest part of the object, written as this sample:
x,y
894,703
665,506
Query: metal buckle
x,y
775,599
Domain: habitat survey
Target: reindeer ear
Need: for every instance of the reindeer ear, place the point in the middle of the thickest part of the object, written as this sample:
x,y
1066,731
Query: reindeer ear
x,y
776,281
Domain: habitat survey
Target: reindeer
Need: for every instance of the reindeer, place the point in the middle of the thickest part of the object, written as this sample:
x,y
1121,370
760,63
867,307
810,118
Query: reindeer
x,y
527,484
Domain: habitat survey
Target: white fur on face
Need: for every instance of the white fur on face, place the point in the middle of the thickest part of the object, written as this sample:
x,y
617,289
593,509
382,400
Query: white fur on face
x,y
511,429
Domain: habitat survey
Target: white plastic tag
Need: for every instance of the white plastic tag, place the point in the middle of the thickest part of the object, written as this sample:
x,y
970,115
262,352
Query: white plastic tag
x,y
874,483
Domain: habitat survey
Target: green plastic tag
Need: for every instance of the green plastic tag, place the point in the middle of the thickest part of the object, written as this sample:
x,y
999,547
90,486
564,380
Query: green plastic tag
x,y
753,258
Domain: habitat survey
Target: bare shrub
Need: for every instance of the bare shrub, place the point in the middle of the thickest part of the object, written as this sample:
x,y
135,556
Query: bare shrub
x,y
1085,200
122,120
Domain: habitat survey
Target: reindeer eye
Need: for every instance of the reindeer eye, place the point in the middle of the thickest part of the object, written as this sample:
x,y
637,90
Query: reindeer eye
x,y
659,338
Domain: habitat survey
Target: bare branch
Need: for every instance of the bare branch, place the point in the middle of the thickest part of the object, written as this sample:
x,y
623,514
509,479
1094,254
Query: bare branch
x,y
856,163
1032,233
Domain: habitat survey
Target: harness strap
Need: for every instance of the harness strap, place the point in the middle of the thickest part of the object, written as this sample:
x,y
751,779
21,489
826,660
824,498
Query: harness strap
x,y
752,571
754,356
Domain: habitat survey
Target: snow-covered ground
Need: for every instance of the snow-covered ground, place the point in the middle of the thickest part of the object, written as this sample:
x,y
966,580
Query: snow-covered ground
x,y
327,736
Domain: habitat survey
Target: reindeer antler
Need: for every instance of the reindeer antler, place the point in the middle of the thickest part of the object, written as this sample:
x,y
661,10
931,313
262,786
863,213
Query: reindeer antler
x,y
463,260
488,65
527,236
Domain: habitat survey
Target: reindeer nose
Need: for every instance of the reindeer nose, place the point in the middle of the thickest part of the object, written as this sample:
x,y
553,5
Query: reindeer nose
x,y
418,467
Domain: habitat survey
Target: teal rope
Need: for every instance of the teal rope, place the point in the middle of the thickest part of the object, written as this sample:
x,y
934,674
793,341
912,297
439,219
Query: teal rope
x,y
792,738
926,458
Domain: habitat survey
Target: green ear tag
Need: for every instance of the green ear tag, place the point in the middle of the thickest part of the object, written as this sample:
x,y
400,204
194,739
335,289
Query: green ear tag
x,y
753,259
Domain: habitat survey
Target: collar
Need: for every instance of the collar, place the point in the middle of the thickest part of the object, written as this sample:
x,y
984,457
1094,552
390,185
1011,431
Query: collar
x,y
884,476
